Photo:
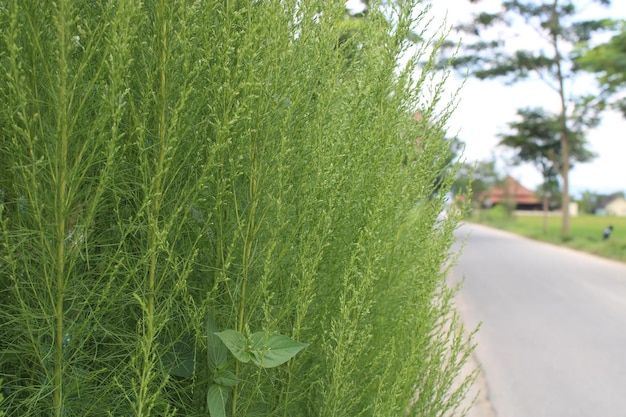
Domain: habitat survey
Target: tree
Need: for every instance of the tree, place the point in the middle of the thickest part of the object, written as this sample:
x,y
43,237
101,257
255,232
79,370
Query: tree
x,y
608,61
558,31
536,139
589,200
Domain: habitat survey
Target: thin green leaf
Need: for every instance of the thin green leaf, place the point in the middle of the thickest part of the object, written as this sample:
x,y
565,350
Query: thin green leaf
x,y
236,343
216,350
217,397
274,350
179,359
226,378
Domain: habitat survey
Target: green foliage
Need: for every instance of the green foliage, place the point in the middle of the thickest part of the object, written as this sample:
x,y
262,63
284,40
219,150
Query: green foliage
x,y
174,169
497,214
559,23
1,400
263,350
536,139
586,232
179,360
473,180
608,61
589,200
217,398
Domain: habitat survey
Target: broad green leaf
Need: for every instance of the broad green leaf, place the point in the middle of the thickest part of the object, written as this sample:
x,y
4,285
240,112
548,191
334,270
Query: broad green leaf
x,y
236,343
179,359
273,350
217,397
216,350
226,378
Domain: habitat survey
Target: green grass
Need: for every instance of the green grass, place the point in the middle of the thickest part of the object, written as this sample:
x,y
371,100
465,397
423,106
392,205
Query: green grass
x,y
586,232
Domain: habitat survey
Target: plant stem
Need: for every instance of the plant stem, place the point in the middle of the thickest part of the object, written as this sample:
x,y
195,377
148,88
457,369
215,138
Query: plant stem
x,y
247,250
153,244
61,208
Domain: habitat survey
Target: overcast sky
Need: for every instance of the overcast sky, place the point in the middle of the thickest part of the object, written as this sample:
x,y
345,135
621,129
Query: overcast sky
x,y
486,107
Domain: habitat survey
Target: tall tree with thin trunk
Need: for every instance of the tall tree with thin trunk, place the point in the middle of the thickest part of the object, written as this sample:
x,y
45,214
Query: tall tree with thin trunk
x,y
553,28
536,138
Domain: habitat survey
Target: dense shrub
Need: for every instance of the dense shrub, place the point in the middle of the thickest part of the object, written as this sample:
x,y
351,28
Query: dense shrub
x,y
173,170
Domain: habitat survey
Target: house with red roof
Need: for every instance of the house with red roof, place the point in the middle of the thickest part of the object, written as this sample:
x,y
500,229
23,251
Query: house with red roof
x,y
510,190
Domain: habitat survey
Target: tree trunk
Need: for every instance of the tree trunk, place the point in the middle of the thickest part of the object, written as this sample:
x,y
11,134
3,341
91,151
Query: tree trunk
x,y
545,212
565,225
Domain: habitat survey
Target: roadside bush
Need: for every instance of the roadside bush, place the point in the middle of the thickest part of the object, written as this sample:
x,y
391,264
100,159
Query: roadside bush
x,y
210,208
498,213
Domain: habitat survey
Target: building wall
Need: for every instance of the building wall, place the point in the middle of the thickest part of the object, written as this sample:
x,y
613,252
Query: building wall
x,y
616,207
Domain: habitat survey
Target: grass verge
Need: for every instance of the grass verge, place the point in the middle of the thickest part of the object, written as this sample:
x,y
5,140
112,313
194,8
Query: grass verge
x,y
586,231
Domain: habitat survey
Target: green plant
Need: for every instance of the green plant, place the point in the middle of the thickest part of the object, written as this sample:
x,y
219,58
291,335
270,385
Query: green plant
x,y
1,400
175,169
264,350
499,213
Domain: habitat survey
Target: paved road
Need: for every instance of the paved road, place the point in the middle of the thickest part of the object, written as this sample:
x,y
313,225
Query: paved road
x,y
553,337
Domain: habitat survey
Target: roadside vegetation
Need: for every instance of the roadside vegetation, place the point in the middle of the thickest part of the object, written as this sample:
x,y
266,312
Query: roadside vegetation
x,y
224,209
586,232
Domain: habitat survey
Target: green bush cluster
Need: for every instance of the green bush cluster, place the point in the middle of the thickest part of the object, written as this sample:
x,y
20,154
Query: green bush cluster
x,y
496,214
586,233
192,191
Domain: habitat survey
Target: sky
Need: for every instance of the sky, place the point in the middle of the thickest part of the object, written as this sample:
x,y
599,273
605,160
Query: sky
x,y
486,107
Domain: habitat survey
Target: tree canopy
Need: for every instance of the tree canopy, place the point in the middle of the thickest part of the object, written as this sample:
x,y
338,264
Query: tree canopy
x,y
608,62
535,138
556,28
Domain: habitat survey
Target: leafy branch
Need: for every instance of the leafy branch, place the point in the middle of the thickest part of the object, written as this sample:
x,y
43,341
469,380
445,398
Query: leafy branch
x,y
261,348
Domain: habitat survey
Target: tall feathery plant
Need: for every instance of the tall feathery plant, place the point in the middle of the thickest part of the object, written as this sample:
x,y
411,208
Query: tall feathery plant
x,y
222,208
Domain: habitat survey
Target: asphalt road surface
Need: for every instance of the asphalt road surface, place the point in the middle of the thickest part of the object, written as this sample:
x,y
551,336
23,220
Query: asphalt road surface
x,y
552,342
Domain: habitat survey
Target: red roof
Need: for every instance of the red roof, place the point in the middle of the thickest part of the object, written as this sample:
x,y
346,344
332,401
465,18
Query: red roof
x,y
510,190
